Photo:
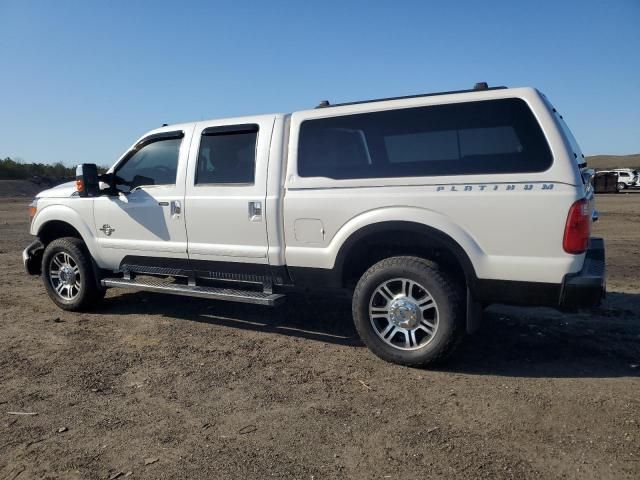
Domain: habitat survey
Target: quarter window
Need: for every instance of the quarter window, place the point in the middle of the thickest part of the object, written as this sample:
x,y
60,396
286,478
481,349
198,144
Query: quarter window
x,y
484,137
227,155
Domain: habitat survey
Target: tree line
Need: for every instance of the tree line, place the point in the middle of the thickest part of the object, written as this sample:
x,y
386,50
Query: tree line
x,y
13,170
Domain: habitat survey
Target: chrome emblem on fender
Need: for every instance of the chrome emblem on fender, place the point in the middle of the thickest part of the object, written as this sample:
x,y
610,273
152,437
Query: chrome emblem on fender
x,y
107,229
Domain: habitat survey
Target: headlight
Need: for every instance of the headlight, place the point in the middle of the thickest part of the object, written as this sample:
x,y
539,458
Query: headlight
x,y
33,208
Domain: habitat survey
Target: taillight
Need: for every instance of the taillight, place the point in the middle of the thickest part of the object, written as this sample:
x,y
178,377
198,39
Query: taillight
x,y
577,228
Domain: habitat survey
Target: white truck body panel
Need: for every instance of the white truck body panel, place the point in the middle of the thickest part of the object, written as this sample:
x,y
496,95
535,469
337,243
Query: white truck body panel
x,y
493,245
142,219
74,211
496,218
218,221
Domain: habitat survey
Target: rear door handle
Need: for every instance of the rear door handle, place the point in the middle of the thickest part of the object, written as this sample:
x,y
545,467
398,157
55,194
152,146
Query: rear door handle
x,y
255,211
163,204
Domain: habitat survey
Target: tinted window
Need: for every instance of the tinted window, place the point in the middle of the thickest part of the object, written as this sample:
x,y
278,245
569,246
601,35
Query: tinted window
x,y
424,146
492,136
154,164
227,156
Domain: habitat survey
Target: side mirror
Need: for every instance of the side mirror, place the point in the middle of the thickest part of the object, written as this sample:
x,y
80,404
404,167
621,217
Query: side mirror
x,y
87,180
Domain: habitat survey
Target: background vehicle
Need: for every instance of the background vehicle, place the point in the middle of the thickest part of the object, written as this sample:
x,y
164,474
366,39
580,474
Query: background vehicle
x,y
605,182
627,178
422,209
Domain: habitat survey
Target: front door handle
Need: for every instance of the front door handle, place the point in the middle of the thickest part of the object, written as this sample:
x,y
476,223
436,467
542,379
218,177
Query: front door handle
x,y
176,208
163,204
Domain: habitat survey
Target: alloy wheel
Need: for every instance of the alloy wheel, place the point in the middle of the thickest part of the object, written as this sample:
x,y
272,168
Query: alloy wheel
x,y
64,276
403,314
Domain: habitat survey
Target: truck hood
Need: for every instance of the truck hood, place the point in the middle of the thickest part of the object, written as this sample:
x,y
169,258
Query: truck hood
x,y
63,190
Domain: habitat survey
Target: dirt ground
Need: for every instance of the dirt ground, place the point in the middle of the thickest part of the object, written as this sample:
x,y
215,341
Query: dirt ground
x,y
166,387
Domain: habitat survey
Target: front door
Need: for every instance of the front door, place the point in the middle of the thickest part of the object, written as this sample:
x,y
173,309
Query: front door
x,y
145,222
225,197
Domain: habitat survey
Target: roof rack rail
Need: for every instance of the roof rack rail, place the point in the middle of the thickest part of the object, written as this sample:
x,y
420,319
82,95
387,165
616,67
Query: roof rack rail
x,y
480,86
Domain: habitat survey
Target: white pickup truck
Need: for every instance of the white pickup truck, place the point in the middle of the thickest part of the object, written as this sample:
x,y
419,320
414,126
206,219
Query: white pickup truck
x,y
423,209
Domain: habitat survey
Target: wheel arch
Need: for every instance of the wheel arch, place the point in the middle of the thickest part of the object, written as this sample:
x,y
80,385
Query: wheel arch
x,y
57,221
54,229
375,241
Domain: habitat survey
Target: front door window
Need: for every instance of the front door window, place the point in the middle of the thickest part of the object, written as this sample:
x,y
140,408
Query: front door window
x,y
154,164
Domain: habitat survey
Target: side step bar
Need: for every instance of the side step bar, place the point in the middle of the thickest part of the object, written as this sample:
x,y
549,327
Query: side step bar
x,y
212,293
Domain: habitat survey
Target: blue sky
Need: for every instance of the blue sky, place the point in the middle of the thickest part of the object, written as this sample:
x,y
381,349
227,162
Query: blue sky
x,y
80,81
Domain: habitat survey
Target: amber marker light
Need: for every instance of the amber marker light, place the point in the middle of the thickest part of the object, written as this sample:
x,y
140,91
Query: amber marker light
x,y
33,208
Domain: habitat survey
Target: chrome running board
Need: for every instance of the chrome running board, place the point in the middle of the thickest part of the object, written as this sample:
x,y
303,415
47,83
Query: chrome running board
x,y
212,293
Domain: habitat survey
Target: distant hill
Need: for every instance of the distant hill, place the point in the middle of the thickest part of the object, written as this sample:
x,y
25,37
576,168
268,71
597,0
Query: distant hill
x,y
20,188
605,162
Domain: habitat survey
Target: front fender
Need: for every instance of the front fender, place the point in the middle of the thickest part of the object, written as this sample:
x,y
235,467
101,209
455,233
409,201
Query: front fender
x,y
77,216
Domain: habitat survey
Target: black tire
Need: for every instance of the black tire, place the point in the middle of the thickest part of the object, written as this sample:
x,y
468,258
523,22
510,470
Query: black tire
x,y
87,293
620,187
447,294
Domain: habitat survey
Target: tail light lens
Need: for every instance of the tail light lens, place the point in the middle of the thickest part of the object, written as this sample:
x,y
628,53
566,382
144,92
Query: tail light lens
x,y
577,228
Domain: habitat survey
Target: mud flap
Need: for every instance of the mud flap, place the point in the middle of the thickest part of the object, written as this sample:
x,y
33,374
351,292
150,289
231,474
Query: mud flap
x,y
474,313
32,258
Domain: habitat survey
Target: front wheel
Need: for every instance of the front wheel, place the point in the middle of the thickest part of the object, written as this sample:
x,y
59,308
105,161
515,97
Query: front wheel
x,y
407,311
620,187
67,275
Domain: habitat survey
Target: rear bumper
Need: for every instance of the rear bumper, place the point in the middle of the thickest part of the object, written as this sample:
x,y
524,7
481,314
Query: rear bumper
x,y
583,289
586,288
32,258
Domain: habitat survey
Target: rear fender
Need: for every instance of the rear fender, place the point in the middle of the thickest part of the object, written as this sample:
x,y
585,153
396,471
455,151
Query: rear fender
x,y
427,222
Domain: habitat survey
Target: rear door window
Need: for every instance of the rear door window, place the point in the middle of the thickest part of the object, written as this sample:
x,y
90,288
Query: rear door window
x,y
227,155
491,136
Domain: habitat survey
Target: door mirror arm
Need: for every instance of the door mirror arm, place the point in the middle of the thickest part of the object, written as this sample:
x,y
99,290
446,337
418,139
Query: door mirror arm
x,y
111,180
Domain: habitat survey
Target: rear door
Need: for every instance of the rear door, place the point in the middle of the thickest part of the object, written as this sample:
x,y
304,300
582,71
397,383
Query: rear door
x,y
225,196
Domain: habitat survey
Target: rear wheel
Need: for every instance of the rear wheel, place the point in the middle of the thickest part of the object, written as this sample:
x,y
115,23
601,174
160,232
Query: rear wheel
x,y
67,274
408,311
621,186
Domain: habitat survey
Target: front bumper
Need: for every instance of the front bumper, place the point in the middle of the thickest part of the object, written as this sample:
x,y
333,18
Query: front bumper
x,y
586,288
32,258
